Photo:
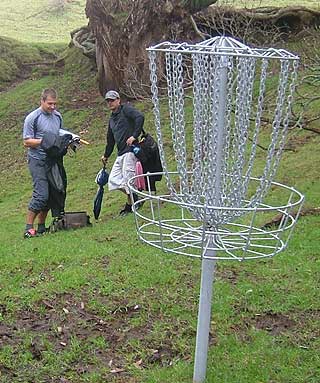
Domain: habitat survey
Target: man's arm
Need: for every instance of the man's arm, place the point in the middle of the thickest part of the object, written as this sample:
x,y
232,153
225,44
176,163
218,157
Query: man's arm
x,y
29,132
109,146
138,120
32,142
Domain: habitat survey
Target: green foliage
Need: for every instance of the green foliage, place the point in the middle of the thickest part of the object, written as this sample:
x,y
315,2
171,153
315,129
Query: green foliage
x,y
13,55
269,3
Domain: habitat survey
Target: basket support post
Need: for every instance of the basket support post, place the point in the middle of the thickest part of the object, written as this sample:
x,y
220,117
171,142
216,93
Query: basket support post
x,y
204,317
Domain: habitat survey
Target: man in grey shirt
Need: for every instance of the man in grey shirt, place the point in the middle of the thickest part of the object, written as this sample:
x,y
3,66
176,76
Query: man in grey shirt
x,y
39,122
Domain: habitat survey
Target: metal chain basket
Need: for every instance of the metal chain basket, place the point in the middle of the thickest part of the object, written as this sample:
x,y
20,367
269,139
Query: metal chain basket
x,y
220,191
218,194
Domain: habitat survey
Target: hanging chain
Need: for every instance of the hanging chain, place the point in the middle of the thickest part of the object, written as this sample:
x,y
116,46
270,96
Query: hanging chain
x,y
156,110
253,150
228,92
271,162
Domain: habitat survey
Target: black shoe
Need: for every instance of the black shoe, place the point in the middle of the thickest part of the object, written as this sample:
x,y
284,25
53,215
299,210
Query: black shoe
x,y
43,231
126,210
135,197
139,204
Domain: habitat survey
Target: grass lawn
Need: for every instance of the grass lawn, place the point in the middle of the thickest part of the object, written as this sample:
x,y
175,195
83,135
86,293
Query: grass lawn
x,y
271,3
95,305
40,21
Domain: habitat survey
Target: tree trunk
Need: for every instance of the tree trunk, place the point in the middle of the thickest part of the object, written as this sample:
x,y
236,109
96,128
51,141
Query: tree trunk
x,y
124,29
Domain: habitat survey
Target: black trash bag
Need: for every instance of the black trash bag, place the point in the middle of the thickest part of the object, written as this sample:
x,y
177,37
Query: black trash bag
x,y
56,147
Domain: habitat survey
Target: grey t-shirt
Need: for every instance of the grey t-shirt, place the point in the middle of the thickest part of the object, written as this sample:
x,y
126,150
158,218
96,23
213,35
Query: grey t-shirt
x,y
44,122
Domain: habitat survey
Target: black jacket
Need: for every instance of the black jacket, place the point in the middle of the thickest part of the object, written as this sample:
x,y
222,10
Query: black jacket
x,y
124,123
55,148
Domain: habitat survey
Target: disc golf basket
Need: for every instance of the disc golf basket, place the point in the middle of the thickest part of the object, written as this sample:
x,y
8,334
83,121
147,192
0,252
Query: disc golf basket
x,y
220,160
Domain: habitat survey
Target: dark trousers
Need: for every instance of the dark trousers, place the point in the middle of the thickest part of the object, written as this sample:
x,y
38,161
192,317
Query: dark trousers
x,y
40,194
45,196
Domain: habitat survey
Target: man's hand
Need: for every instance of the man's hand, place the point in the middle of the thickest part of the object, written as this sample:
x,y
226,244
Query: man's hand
x,y
104,160
130,140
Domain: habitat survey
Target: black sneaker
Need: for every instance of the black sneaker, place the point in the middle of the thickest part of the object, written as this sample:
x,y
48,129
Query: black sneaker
x,y
126,210
43,231
139,204
135,197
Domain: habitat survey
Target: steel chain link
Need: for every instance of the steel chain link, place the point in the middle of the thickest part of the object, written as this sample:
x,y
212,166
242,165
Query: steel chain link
x,y
228,93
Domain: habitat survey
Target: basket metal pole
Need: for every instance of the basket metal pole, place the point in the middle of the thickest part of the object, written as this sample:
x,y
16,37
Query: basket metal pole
x,y
204,318
208,265
225,73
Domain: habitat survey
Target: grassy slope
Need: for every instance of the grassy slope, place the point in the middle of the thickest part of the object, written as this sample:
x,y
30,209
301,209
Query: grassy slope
x,y
108,271
40,21
271,3
72,302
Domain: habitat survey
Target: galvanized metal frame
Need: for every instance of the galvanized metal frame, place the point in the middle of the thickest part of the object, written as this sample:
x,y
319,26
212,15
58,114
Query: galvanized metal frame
x,y
210,210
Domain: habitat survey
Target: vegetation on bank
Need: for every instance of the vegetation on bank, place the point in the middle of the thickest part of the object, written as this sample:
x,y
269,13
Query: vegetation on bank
x,y
96,305
44,21
41,21
271,3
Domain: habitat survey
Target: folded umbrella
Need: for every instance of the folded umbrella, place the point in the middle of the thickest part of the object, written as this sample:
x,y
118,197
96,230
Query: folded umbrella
x,y
98,202
101,179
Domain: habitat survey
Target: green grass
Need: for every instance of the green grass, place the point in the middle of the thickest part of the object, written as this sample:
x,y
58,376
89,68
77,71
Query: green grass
x,y
84,303
40,21
271,3
78,306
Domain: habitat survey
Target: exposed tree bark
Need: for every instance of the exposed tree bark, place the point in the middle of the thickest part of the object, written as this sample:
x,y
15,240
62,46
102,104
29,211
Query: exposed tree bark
x,y
124,29
259,25
83,39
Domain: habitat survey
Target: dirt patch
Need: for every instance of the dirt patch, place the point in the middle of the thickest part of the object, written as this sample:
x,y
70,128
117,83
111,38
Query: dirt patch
x,y
32,70
274,323
230,275
85,99
275,222
277,324
109,337
296,142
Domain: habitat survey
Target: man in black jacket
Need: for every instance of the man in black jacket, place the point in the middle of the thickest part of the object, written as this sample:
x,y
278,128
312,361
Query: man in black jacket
x,y
125,126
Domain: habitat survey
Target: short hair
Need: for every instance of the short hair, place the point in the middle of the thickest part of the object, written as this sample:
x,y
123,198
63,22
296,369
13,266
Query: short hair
x,y
48,92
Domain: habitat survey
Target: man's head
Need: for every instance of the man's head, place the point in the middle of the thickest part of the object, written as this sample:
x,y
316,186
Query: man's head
x,y
113,99
48,100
